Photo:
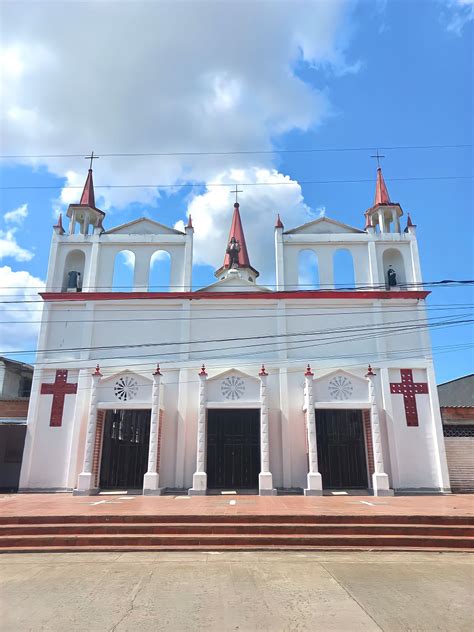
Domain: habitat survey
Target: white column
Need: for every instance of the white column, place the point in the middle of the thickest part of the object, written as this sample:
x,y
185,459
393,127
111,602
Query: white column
x,y
395,220
188,259
151,478
373,265
199,487
315,483
85,484
382,224
279,259
265,478
380,482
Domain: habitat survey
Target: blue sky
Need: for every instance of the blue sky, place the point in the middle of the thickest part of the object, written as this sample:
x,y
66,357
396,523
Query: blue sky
x,y
345,75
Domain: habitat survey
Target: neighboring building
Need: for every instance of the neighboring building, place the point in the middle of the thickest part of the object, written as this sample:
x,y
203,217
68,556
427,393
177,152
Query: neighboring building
x,y
213,416
15,387
456,399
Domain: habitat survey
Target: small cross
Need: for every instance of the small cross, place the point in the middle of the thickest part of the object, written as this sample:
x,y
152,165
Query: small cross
x,y
59,389
91,158
378,156
237,191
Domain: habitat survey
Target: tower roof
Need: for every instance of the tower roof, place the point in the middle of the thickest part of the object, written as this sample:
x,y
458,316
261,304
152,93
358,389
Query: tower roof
x,y
381,191
237,232
88,197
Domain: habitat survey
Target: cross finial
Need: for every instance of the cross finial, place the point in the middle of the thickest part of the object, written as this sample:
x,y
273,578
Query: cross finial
x,y
236,191
91,158
378,156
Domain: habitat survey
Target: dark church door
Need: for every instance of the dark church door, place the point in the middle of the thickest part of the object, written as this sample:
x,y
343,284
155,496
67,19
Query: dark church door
x,y
341,449
233,448
125,449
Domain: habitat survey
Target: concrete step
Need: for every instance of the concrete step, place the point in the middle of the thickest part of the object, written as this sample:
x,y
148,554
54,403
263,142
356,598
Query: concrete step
x,y
249,528
238,519
209,541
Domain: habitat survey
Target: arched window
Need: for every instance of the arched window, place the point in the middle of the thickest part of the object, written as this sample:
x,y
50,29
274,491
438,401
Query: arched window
x,y
160,266
343,265
308,270
393,259
74,271
124,268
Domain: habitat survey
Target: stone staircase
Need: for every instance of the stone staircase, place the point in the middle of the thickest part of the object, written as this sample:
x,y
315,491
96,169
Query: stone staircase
x,y
234,532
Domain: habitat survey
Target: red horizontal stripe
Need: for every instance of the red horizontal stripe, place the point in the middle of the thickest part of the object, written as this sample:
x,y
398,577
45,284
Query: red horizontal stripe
x,y
196,296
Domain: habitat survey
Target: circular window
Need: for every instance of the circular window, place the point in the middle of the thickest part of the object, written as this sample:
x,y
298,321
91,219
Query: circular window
x,y
126,388
233,387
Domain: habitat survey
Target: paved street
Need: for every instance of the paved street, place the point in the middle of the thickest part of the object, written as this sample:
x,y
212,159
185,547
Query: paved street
x,y
271,591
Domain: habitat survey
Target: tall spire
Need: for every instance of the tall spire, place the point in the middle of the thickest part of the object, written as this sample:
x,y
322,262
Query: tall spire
x,y
88,197
237,233
381,191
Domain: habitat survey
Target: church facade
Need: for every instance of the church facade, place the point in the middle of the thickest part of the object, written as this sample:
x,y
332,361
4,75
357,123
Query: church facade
x,y
235,386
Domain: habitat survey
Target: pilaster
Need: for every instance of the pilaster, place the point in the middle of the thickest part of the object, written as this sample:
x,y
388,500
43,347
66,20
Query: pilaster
x,y
151,478
265,478
199,487
314,481
380,482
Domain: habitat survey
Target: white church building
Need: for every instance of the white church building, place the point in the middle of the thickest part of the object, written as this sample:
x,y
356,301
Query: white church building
x,y
269,390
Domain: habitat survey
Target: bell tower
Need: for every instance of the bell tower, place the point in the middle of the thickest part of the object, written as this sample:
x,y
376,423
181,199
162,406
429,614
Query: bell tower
x,y
85,214
236,261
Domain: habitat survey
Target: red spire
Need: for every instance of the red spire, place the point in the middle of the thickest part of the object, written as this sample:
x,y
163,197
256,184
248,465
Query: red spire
x,y
59,225
87,197
409,222
381,192
278,222
190,222
237,231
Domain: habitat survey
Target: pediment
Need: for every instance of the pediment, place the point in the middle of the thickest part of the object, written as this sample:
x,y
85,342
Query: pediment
x,y
143,226
119,374
340,386
323,226
233,386
124,388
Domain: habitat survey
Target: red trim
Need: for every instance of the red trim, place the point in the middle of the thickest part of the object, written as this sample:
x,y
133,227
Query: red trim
x,y
196,296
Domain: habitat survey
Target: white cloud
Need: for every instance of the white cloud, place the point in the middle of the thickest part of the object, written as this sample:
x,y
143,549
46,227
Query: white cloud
x,y
9,247
19,327
459,13
17,216
212,213
166,77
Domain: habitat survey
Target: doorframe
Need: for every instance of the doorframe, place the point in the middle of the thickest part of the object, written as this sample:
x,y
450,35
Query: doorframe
x,y
360,406
103,409
242,406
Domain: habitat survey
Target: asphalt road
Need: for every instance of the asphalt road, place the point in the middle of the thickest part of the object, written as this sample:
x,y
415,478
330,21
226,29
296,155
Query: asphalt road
x,y
241,591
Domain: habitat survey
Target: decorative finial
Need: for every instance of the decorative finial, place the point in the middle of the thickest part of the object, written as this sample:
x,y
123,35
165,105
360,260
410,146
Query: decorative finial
x,y
97,371
263,371
278,222
190,222
157,370
308,372
59,226
203,373
369,373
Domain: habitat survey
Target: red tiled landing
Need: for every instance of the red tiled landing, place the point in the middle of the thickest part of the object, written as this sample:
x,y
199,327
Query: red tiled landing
x,y
49,522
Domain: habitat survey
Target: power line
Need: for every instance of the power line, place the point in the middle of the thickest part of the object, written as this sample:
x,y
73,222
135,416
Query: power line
x,y
376,330
230,184
240,152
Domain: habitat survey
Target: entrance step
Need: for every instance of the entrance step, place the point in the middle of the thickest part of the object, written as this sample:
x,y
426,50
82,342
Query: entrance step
x,y
205,532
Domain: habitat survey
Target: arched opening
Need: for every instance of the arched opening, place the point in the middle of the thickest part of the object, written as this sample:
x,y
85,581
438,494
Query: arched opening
x,y
160,267
74,271
308,270
393,261
124,268
343,265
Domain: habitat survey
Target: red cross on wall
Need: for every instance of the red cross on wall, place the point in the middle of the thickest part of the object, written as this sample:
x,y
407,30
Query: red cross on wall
x,y
409,389
58,390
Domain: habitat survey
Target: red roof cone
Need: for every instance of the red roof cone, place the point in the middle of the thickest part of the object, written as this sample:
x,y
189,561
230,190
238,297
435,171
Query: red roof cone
x,y
278,222
237,231
88,197
381,191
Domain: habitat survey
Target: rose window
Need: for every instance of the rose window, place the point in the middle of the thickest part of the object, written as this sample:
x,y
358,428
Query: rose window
x,y
126,388
233,387
340,387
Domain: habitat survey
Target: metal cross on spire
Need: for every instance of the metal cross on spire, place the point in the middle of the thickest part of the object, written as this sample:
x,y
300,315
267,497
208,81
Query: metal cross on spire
x,y
378,156
237,191
91,158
